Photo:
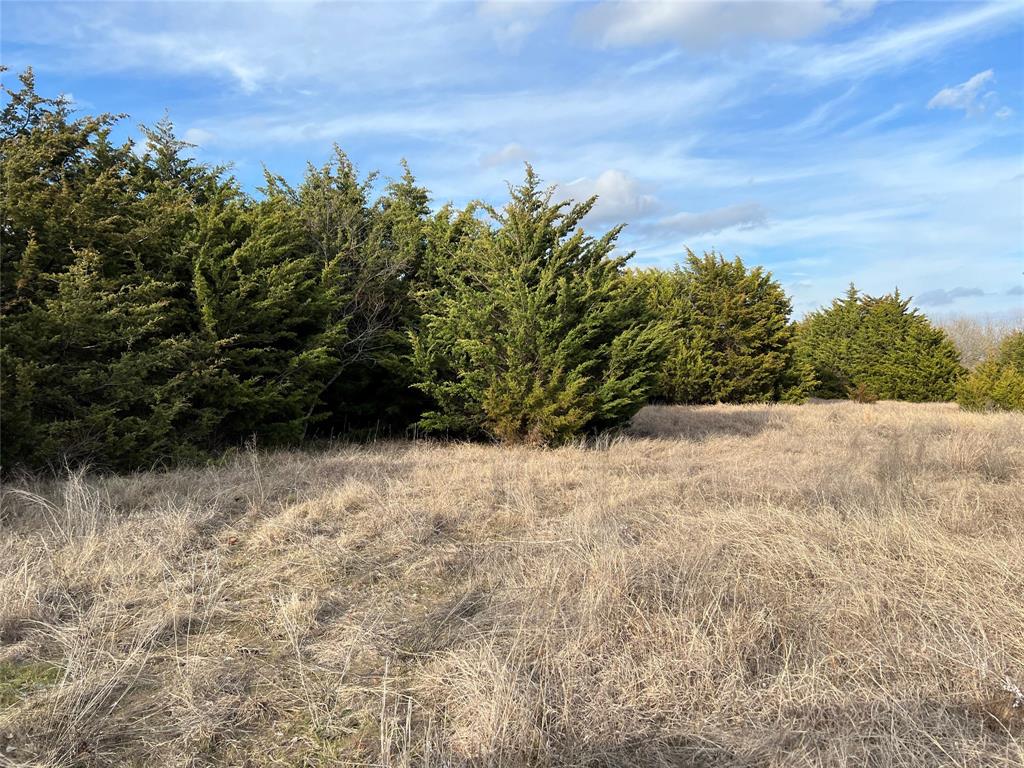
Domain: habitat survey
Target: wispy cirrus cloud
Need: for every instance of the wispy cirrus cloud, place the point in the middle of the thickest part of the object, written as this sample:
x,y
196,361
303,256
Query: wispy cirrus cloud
x,y
691,120
893,47
706,25
266,45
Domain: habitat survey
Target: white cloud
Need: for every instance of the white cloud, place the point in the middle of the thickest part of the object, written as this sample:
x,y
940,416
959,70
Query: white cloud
x,y
620,197
1004,112
892,48
512,22
568,113
742,216
644,66
510,154
967,96
199,136
703,24
263,46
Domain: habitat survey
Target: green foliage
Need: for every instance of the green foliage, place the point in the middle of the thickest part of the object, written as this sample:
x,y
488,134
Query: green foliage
x,y
530,332
93,309
20,679
878,345
384,255
732,338
152,311
997,383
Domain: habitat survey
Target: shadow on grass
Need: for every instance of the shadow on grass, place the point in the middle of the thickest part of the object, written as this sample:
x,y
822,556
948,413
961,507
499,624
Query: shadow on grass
x,y
699,423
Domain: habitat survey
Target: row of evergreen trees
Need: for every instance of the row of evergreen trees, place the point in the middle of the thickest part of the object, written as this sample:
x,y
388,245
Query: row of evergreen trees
x,y
153,311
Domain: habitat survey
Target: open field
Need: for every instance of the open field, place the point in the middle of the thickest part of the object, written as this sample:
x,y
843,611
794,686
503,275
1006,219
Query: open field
x,y
828,584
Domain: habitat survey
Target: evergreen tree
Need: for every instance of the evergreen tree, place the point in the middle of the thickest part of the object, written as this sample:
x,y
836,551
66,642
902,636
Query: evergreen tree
x,y
267,320
879,347
373,386
91,309
733,338
151,311
532,335
826,340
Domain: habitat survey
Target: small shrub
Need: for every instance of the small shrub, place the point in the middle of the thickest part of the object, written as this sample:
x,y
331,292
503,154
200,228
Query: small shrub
x,y
998,383
862,393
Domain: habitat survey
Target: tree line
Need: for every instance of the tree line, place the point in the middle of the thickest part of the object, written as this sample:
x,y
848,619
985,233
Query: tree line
x,y
153,311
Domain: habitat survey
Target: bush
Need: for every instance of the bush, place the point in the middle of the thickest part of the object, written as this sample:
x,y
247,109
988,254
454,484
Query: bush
x,y
531,334
997,383
732,338
862,393
878,345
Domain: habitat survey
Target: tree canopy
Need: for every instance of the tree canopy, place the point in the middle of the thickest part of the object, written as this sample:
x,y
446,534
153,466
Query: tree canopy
x,y
733,341
878,345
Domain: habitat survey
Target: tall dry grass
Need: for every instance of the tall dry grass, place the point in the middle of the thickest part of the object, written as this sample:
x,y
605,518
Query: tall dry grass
x,y
829,584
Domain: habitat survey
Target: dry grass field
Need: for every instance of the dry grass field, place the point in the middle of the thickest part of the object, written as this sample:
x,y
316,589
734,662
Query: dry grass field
x,y
828,584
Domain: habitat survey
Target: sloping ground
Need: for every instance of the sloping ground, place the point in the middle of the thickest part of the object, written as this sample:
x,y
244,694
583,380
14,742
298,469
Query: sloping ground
x,y
828,584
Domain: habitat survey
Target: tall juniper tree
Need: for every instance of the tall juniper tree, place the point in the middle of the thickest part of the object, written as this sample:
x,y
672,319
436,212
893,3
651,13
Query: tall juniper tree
x,y
93,311
152,310
533,334
733,340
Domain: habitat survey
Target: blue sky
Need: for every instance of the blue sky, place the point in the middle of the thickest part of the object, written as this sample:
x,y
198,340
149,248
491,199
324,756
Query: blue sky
x,y
831,141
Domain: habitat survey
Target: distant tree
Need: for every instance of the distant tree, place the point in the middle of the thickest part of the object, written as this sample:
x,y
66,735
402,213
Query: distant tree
x,y
531,334
977,337
997,383
878,347
733,339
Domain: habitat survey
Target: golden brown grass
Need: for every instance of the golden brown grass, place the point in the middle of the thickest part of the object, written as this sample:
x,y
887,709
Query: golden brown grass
x,y
828,584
